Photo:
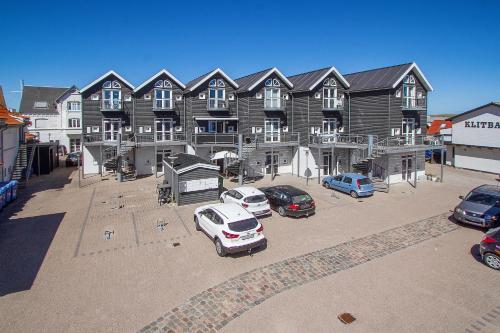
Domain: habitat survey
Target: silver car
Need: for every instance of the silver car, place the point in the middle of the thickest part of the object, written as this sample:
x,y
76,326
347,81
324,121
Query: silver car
x,y
481,207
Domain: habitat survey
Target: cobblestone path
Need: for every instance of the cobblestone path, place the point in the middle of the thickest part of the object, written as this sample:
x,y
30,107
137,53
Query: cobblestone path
x,y
215,307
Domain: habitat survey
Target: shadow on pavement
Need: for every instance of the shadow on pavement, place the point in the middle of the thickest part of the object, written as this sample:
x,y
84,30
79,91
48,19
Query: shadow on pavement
x,y
24,243
474,251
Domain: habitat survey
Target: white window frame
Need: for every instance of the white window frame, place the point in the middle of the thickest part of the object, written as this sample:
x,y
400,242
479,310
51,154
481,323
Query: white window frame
x,y
217,87
113,103
166,129
75,145
409,92
272,94
163,102
272,129
40,119
74,123
74,106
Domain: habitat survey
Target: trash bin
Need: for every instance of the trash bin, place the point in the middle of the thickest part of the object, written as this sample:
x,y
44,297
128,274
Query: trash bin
x,y
13,189
8,193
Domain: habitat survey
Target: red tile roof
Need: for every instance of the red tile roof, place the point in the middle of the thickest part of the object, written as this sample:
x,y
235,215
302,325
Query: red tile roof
x,y
437,125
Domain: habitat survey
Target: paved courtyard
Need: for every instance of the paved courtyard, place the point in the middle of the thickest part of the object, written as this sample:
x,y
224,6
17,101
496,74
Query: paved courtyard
x,y
107,258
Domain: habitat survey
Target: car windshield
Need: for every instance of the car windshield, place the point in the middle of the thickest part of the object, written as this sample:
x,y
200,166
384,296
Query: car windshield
x,y
301,198
255,198
364,181
243,225
483,199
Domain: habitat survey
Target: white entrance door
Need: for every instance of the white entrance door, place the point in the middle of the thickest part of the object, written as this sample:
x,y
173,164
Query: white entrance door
x,y
163,129
111,128
272,130
408,128
160,156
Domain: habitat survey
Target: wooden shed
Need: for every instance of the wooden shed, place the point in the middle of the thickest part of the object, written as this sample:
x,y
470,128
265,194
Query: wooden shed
x,y
195,179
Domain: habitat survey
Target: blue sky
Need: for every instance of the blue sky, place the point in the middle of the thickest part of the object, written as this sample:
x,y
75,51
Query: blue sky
x,y
52,43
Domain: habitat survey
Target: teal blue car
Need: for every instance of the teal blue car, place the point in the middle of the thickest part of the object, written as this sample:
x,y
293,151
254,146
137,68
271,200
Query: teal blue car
x,y
354,184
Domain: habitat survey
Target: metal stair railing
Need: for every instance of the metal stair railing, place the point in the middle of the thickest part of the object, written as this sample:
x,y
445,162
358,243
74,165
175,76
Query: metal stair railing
x,y
30,163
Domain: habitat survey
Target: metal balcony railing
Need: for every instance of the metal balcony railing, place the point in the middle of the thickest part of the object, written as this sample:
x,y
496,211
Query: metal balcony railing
x,y
159,137
111,105
163,104
409,141
217,104
413,103
215,138
277,138
275,104
339,138
333,104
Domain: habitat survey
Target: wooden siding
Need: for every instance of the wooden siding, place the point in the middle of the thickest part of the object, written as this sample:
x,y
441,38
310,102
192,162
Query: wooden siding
x,y
369,113
196,107
300,116
143,109
91,110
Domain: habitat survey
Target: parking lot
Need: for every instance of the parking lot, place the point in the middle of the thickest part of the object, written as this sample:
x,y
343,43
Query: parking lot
x,y
118,262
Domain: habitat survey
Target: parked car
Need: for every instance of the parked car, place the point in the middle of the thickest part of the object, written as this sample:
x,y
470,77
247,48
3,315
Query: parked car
x,y
289,200
248,197
72,159
490,248
231,227
355,184
481,207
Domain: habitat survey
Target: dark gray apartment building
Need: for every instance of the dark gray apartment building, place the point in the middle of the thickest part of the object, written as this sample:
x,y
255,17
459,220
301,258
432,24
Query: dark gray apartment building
x,y
310,124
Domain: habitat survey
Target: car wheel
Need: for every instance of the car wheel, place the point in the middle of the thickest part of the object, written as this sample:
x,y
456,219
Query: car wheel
x,y
492,260
325,184
281,211
197,224
354,194
219,248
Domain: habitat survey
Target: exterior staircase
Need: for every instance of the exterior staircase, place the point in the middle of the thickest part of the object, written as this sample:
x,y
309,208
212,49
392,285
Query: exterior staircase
x,y
249,172
20,171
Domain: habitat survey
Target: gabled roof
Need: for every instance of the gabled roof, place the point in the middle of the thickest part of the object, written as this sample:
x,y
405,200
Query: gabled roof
x,y
6,117
68,91
111,72
185,162
438,125
33,94
309,80
384,78
195,83
249,82
475,109
163,71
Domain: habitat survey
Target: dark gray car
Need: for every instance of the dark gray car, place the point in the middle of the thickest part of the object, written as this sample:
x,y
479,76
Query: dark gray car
x,y
481,207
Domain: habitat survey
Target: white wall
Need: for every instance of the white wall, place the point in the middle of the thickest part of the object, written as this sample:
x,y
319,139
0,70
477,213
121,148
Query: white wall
x,y
91,156
10,139
478,158
486,130
62,107
50,131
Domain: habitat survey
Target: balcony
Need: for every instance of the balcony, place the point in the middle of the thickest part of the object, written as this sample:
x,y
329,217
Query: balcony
x,y
409,143
163,105
275,104
276,139
220,139
111,105
217,105
339,140
158,139
333,104
414,103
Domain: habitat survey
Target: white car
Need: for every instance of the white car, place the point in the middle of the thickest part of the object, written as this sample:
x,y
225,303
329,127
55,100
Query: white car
x,y
248,197
231,227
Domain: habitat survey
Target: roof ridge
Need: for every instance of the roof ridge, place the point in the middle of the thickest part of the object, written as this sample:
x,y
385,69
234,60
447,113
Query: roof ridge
x,y
379,68
32,86
264,70
315,70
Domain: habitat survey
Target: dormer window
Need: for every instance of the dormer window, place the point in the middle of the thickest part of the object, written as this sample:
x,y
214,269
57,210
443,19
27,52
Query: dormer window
x,y
41,105
111,96
409,92
272,94
330,100
163,95
217,94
